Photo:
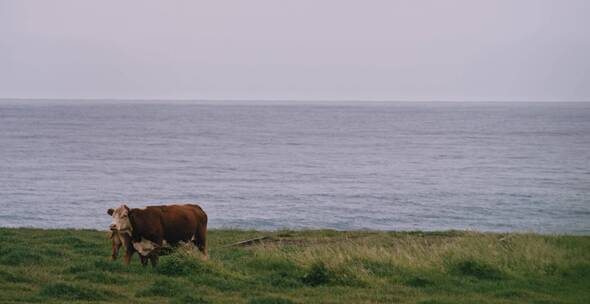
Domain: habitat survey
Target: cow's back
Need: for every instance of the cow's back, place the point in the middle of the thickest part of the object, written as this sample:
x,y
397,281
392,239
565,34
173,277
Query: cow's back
x,y
179,223
172,223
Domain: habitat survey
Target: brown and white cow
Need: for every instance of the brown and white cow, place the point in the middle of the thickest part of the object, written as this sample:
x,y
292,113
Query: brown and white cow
x,y
149,227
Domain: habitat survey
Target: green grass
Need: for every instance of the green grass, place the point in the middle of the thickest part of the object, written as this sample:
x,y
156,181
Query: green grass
x,y
312,266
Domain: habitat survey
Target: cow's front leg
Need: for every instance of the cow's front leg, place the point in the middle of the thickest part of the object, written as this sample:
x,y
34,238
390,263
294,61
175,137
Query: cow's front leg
x,y
129,251
128,256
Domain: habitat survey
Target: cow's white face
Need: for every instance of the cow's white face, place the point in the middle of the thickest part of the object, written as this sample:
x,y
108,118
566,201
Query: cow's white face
x,y
121,221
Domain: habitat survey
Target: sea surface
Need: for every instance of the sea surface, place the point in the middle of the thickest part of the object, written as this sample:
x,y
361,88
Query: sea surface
x,y
273,165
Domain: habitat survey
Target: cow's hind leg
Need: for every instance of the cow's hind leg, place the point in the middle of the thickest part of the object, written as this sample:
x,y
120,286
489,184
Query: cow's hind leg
x,y
200,239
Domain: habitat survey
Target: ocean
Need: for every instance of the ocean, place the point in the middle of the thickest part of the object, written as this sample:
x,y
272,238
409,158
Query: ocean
x,y
296,165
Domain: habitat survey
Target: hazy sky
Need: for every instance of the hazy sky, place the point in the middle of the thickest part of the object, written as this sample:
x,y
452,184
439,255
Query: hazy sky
x,y
301,49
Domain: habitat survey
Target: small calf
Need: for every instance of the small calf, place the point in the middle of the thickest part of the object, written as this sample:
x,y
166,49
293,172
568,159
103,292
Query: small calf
x,y
119,239
147,250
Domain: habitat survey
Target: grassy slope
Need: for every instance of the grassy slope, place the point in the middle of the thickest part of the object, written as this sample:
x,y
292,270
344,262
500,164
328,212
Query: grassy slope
x,y
57,266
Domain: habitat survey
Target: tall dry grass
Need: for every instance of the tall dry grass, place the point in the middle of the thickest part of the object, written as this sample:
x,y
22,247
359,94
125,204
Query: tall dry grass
x,y
490,254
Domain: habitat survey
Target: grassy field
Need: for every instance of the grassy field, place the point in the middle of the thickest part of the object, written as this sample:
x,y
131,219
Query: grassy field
x,y
316,266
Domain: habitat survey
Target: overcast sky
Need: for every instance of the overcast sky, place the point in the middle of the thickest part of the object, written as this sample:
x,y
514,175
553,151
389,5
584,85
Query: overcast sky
x,y
301,49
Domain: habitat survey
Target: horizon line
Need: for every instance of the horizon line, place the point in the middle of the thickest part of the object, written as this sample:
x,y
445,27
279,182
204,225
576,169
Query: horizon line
x,y
272,100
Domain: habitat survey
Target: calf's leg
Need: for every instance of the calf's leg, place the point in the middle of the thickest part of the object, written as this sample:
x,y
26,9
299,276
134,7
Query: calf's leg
x,y
154,259
116,244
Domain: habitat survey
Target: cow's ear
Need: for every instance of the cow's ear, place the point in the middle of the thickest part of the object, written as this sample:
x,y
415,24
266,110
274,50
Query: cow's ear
x,y
110,211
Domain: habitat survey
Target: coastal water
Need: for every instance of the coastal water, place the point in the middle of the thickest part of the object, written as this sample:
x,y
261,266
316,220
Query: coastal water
x,y
383,166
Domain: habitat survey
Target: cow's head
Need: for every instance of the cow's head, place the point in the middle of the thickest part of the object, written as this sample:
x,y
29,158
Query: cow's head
x,y
121,221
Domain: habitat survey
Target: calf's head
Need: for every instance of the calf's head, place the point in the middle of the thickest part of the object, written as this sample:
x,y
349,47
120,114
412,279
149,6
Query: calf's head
x,y
121,221
145,247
